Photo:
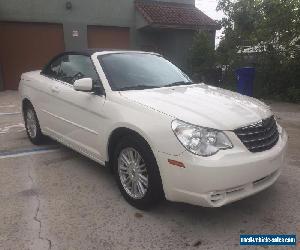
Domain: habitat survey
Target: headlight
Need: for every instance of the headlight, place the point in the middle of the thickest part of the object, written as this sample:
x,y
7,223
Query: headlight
x,y
199,140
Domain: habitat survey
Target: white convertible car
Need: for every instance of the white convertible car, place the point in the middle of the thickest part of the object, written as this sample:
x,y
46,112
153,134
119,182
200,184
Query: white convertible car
x,y
161,134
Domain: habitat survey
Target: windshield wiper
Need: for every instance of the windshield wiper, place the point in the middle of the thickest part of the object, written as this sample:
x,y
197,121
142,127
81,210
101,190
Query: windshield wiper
x,y
138,87
178,83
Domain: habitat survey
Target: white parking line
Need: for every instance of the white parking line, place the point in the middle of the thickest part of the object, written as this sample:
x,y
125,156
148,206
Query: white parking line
x,y
26,152
8,128
7,106
13,113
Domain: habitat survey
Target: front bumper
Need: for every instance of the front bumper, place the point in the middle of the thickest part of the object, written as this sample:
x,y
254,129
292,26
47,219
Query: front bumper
x,y
228,176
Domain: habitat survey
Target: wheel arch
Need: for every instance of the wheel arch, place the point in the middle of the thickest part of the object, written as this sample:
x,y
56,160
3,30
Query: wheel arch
x,y
116,135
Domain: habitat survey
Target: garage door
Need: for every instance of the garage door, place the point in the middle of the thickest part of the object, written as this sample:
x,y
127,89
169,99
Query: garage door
x,y
108,37
25,47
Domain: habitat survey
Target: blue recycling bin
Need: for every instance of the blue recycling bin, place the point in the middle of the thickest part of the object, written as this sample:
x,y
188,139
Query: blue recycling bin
x,y
245,79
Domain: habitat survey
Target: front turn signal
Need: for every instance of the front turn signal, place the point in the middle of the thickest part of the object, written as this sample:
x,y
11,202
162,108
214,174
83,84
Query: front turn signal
x,y
176,163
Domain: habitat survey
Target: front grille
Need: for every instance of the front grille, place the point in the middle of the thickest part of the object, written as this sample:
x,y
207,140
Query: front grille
x,y
259,136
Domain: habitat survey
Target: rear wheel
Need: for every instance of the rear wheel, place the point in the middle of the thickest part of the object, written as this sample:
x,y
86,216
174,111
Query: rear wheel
x,y
137,173
32,125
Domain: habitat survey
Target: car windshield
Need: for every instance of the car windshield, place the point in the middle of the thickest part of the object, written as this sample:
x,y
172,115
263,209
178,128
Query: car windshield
x,y
129,71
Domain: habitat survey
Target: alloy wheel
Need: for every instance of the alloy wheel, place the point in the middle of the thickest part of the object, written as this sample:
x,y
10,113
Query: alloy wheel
x,y
31,125
133,173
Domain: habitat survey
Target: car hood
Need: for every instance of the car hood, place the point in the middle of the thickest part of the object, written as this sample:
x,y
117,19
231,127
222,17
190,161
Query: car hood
x,y
203,105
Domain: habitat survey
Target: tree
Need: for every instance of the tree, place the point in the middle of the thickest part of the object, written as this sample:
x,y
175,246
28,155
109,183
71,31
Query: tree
x,y
202,56
272,28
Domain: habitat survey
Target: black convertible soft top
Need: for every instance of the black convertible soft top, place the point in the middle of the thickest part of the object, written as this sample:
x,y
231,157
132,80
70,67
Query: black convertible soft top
x,y
89,52
85,52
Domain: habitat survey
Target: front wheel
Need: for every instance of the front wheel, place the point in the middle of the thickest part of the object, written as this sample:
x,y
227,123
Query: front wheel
x,y
137,173
32,125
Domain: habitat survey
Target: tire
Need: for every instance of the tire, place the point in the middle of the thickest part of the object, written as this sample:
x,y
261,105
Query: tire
x,y
146,166
32,125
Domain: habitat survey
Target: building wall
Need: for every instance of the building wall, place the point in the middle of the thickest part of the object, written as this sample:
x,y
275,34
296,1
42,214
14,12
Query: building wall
x,y
111,13
174,44
177,44
121,13
83,13
75,43
1,79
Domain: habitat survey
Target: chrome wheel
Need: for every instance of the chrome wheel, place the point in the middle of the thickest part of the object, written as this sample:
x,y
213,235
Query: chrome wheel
x,y
133,173
31,123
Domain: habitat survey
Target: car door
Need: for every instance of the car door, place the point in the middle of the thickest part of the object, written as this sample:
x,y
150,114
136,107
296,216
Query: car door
x,y
49,80
78,115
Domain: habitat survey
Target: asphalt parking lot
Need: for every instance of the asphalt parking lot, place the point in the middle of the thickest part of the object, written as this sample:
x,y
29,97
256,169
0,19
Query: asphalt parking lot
x,y
54,198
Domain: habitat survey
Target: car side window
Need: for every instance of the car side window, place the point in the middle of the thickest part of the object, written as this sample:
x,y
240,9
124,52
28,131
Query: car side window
x,y
74,67
53,70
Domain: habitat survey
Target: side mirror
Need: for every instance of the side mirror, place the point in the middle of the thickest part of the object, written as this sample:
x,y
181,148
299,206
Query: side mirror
x,y
84,84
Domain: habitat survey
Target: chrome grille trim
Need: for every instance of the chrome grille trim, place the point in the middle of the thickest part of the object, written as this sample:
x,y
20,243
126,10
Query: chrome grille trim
x,y
259,136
